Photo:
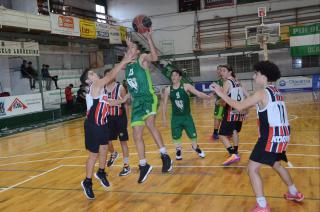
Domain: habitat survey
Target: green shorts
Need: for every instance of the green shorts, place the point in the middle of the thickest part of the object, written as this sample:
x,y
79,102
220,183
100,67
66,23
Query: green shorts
x,y
218,112
180,123
142,108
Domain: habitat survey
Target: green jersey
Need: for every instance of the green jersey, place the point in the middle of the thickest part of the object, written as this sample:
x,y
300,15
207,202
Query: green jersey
x,y
139,81
220,83
180,101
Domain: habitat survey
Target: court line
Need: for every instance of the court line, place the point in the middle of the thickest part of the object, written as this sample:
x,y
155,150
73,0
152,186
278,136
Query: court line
x,y
203,166
31,178
133,146
159,193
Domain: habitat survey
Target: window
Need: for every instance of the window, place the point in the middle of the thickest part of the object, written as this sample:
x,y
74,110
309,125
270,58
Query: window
x,y
100,17
190,67
305,62
243,63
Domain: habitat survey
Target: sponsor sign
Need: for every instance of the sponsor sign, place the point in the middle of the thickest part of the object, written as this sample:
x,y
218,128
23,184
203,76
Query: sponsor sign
x,y
315,82
18,105
305,40
19,48
294,83
203,87
114,35
87,29
123,33
64,25
102,30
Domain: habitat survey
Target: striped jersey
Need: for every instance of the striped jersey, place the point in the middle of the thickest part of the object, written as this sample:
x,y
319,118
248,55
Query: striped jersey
x,y
97,109
236,93
114,94
273,122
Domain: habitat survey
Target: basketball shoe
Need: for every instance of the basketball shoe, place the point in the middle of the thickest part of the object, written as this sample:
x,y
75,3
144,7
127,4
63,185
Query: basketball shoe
x,y
259,209
125,170
101,176
144,172
114,156
178,154
232,159
199,151
297,198
166,163
87,189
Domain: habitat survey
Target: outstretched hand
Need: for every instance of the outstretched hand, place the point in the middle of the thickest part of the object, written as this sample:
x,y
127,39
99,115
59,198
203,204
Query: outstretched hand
x,y
129,42
216,88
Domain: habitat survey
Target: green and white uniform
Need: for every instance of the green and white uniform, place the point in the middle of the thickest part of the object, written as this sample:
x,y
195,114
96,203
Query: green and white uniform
x,y
144,100
181,118
218,109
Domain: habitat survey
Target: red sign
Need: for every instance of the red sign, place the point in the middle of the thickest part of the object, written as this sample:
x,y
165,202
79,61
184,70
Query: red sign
x,y
262,12
17,104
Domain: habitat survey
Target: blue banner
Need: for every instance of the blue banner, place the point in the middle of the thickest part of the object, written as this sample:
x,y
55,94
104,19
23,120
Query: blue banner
x,y
316,82
203,87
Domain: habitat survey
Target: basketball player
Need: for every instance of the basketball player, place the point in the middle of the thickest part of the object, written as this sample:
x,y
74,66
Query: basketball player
x,y
181,118
218,108
96,134
274,131
117,122
144,106
232,119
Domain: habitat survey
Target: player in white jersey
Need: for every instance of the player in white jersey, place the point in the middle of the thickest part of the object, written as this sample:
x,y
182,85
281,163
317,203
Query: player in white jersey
x,y
232,119
274,132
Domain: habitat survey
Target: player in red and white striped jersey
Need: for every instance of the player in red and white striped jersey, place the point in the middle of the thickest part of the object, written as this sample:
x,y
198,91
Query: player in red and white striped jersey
x,y
274,131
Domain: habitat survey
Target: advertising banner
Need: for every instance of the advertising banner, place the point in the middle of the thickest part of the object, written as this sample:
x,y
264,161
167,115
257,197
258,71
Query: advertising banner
x,y
64,25
297,83
18,105
88,29
19,48
102,30
114,35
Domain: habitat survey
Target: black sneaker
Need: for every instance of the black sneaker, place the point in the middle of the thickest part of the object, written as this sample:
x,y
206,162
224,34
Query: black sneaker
x,y
87,189
166,163
199,151
114,156
125,171
144,172
101,176
178,154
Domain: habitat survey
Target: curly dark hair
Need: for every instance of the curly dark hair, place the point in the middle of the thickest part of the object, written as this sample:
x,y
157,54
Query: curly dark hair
x,y
268,69
84,76
179,72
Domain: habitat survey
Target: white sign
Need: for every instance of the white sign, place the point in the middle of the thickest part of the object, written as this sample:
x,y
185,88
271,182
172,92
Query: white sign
x,y
114,35
262,12
64,25
19,48
102,30
51,98
17,105
294,83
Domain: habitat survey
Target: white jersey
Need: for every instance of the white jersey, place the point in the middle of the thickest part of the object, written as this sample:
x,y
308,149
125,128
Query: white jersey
x,y
274,128
236,93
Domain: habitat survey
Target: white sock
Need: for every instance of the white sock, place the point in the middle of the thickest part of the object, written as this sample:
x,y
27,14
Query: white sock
x,y
262,202
126,160
163,150
292,189
142,162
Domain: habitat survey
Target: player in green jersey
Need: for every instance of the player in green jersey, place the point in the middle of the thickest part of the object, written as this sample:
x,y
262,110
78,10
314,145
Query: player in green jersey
x,y
144,105
218,108
181,118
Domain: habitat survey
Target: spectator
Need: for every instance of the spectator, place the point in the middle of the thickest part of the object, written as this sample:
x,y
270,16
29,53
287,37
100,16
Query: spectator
x,y
33,75
23,69
69,98
48,78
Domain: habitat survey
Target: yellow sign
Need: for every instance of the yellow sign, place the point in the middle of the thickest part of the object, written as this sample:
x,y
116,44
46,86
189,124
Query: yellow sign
x,y
284,35
87,29
123,33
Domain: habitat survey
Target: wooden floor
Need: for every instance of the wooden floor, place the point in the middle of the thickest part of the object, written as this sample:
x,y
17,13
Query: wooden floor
x,y
41,170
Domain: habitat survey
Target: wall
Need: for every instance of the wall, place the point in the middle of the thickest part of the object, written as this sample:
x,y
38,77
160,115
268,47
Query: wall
x,y
5,74
29,6
6,3
179,27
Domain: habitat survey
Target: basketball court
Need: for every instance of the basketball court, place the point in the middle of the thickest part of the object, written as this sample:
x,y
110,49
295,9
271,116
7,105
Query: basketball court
x,y
43,169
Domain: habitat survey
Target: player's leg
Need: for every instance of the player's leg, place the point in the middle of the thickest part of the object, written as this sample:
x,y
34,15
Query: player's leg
x,y
190,129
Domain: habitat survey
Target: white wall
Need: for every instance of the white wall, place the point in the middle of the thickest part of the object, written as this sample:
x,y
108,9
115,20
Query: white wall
x,y
28,6
5,74
170,25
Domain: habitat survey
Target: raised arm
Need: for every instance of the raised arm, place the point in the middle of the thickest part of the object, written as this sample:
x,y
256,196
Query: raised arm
x,y
153,55
191,89
164,106
258,97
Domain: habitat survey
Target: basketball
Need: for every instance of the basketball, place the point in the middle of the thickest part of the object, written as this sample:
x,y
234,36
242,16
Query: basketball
x,y
141,23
